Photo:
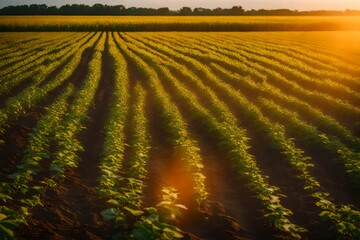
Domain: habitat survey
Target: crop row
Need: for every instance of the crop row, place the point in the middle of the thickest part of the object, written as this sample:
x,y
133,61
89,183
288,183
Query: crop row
x,y
19,105
58,128
249,66
272,133
175,23
228,92
36,67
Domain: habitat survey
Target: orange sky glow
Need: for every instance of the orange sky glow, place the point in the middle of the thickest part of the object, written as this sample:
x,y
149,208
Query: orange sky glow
x,y
176,4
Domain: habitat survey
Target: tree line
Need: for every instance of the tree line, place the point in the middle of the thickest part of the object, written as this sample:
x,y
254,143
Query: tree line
x,y
120,10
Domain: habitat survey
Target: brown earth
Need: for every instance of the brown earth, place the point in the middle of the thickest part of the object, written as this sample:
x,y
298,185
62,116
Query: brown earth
x,y
72,209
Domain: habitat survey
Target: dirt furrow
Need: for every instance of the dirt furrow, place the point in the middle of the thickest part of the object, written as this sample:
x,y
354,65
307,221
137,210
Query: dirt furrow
x,y
15,136
72,210
231,212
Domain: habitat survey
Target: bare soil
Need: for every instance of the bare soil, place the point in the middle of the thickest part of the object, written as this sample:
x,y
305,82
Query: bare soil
x,y
72,210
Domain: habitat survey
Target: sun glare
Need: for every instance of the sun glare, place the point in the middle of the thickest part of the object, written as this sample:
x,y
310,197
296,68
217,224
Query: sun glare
x,y
174,172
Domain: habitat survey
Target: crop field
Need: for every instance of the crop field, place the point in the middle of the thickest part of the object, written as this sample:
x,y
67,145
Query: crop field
x,y
164,135
176,23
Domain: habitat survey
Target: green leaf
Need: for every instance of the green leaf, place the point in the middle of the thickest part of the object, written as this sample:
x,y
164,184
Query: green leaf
x,y
110,214
2,216
163,203
113,202
174,233
152,211
134,211
44,155
7,231
29,202
54,167
39,189
181,206
143,233
25,211
5,197
51,183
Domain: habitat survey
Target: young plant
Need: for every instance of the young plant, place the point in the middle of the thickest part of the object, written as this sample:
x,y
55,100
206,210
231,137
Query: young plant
x,y
154,224
171,209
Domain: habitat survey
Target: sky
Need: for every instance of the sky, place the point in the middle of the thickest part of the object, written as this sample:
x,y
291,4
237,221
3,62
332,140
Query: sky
x,y
177,4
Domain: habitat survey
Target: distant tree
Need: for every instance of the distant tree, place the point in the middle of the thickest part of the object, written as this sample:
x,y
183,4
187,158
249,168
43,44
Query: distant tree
x,y
16,10
217,11
65,9
38,9
237,10
352,12
52,10
130,11
116,10
202,11
163,11
100,9
185,11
